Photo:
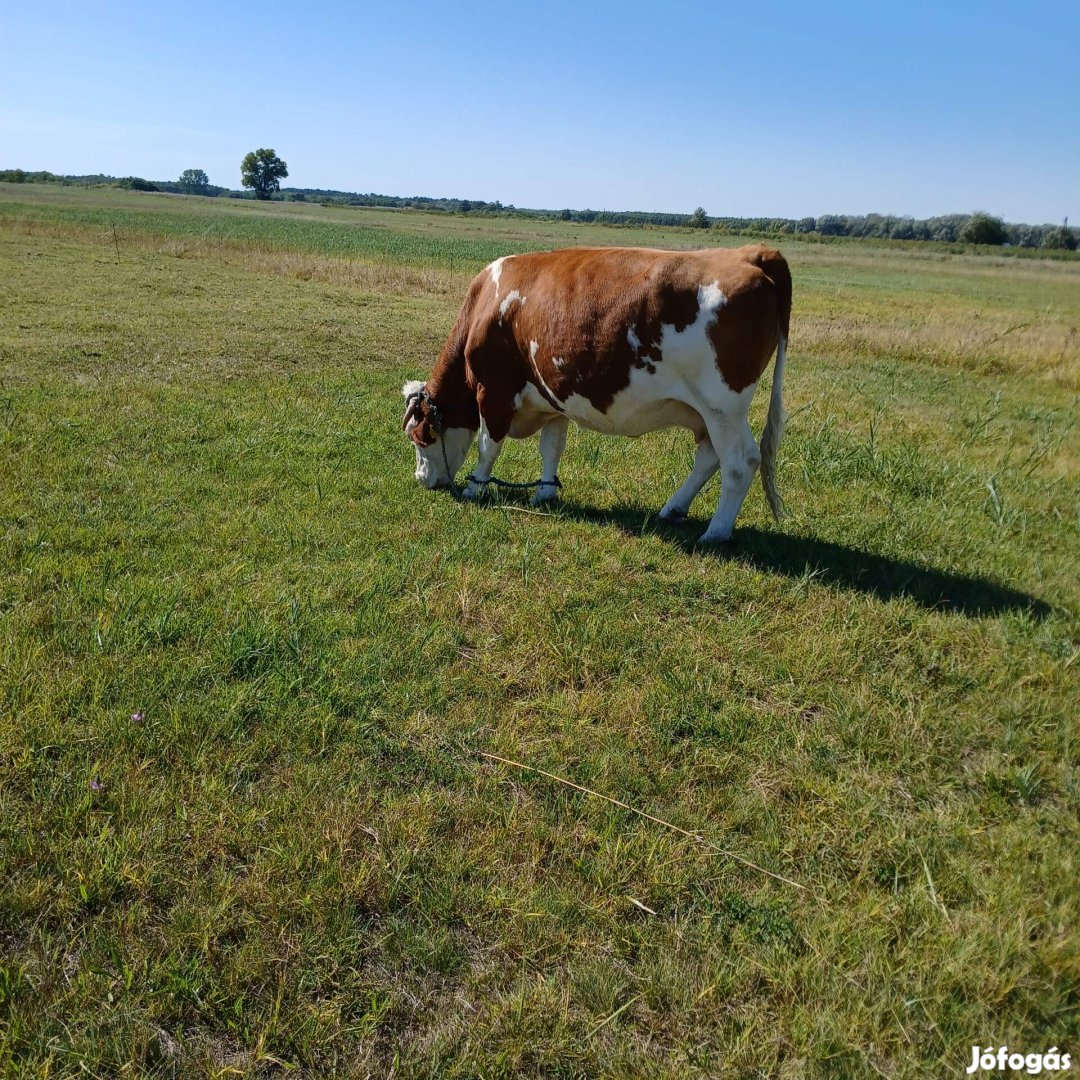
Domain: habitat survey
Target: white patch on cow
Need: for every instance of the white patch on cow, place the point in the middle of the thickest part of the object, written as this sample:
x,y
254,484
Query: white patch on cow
x,y
635,341
511,296
533,346
559,362
531,411
495,270
690,347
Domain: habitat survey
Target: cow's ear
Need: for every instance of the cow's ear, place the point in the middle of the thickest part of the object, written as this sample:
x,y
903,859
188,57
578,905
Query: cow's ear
x,y
416,433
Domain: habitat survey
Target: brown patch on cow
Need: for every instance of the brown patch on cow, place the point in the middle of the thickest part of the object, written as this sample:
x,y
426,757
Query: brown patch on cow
x,y
744,335
497,380
757,311
776,269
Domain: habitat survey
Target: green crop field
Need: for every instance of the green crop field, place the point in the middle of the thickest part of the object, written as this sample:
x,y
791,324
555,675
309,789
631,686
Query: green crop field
x,y
250,671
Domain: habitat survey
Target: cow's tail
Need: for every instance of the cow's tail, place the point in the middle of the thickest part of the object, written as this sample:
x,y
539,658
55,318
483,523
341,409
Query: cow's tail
x,y
776,267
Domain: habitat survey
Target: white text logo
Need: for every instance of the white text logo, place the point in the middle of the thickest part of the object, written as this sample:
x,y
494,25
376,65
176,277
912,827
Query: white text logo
x,y
987,1059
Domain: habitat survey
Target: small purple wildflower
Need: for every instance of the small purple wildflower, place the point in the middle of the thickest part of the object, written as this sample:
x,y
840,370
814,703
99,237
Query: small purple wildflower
x,y
96,784
138,717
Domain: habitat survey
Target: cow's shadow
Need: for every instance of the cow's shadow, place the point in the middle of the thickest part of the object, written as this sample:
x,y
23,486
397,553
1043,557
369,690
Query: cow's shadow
x,y
825,562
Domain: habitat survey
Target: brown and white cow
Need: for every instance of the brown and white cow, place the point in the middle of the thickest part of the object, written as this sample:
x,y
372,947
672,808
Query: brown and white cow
x,y
619,340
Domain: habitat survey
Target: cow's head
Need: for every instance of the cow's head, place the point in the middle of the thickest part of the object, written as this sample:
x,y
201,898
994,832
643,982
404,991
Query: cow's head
x,y
439,448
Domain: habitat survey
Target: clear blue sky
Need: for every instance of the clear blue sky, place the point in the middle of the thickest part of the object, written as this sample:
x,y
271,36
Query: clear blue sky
x,y
757,108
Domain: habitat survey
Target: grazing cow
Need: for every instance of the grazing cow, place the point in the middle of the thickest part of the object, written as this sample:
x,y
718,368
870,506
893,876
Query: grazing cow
x,y
619,340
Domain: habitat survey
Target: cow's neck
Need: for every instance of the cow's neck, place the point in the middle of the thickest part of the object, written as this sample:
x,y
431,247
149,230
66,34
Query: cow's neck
x,y
449,389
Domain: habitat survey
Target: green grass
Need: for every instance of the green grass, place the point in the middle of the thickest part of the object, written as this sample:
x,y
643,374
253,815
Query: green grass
x,y
248,670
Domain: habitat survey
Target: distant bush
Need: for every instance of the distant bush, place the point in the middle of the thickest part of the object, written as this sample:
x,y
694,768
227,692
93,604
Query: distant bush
x,y
698,219
1060,239
983,228
136,183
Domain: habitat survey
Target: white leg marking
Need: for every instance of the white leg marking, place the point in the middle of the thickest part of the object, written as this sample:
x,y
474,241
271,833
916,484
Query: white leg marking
x,y
739,460
705,465
487,453
552,444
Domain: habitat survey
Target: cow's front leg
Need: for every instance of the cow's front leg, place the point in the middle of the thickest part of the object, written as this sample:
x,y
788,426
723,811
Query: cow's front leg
x,y
487,453
552,444
705,465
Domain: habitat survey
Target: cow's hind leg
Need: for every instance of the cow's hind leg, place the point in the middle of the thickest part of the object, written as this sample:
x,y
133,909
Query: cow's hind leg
x,y
552,444
705,465
739,460
487,453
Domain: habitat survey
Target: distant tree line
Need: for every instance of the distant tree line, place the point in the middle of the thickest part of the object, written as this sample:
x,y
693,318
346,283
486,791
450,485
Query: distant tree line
x,y
974,228
195,183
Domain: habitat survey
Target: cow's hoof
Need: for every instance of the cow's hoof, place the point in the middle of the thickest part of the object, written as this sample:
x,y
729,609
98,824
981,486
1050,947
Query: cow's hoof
x,y
673,515
473,492
545,495
711,537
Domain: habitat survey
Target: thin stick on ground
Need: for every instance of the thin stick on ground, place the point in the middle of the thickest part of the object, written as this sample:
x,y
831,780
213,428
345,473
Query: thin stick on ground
x,y
647,816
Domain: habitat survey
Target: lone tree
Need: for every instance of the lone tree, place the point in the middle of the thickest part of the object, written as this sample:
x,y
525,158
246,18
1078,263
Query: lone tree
x,y
194,182
698,219
262,170
983,228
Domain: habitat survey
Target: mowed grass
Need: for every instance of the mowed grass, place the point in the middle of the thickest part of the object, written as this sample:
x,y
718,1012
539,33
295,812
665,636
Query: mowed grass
x,y
249,671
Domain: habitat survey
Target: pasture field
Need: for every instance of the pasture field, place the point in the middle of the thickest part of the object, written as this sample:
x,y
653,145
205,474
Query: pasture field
x,y
249,672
